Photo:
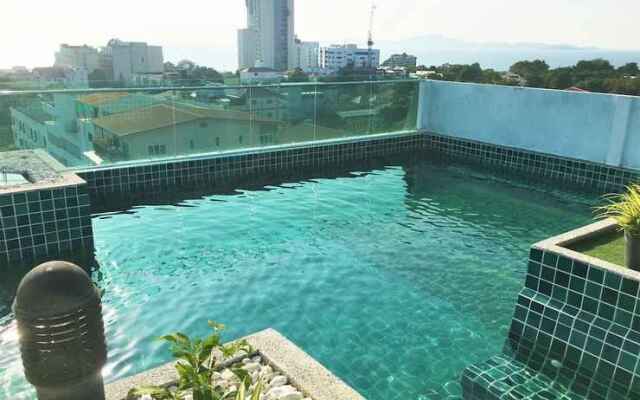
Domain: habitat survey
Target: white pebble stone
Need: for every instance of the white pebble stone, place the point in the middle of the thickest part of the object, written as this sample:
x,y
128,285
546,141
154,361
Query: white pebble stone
x,y
250,367
284,393
227,375
278,380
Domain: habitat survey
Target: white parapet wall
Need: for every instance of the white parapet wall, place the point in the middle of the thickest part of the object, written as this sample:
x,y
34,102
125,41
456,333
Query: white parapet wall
x,y
594,127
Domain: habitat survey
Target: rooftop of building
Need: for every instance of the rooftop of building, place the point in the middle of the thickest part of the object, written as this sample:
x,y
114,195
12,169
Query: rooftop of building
x,y
162,115
101,98
36,112
258,69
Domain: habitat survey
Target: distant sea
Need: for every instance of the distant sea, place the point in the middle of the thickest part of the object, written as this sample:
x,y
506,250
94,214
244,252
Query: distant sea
x,y
502,59
432,51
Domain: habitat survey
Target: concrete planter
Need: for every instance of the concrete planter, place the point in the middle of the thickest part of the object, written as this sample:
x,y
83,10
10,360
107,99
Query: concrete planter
x,y
632,251
304,373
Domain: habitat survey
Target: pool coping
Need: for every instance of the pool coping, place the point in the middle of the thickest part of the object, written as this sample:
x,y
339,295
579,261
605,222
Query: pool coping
x,y
559,245
304,372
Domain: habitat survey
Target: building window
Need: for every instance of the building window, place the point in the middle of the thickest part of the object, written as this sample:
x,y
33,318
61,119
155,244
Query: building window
x,y
157,149
204,124
218,141
192,145
240,139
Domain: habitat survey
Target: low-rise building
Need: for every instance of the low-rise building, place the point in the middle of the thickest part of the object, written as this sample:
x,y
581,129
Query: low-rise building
x,y
129,60
83,57
403,60
256,75
163,130
35,127
69,77
514,78
336,57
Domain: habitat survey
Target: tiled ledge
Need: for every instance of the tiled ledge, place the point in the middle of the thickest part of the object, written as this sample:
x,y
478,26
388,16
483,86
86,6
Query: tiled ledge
x,y
305,373
576,324
560,245
227,168
46,218
577,172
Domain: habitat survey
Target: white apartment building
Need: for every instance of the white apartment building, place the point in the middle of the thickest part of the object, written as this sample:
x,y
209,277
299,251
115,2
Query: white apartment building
x,y
129,60
268,39
70,77
81,57
307,56
335,57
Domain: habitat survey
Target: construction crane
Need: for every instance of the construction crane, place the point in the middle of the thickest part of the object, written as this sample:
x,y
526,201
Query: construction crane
x,y
370,42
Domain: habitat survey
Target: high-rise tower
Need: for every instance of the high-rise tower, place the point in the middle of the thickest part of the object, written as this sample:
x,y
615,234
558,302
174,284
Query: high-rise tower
x,y
268,40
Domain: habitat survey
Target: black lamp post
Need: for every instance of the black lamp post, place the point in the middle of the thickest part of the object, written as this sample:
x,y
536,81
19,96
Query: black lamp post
x,y
59,315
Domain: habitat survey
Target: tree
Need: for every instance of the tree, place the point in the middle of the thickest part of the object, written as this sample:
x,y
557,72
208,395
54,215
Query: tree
x,y
593,85
205,74
532,71
186,65
524,68
470,73
559,78
98,79
348,73
629,69
593,69
297,75
492,76
169,67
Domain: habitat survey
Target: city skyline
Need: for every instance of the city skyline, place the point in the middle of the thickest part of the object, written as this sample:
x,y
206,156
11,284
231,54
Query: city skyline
x,y
200,36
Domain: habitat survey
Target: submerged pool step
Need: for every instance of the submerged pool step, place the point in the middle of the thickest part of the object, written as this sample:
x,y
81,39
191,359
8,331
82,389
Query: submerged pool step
x,y
503,378
558,351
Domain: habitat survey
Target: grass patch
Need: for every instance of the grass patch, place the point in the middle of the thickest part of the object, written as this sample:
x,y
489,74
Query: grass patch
x,y
608,247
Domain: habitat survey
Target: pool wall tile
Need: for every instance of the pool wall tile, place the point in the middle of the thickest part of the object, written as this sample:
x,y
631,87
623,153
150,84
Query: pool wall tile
x,y
220,170
600,177
573,330
44,224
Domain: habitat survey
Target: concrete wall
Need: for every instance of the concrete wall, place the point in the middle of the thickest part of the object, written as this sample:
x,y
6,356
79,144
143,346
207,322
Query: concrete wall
x,y
587,126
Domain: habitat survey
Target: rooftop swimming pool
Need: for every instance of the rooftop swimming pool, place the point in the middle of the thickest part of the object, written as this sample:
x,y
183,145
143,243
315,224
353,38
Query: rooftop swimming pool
x,y
395,276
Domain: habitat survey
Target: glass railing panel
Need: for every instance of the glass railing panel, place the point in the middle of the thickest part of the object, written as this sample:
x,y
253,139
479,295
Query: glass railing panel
x,y
210,120
102,127
44,121
297,122
394,106
127,125
344,109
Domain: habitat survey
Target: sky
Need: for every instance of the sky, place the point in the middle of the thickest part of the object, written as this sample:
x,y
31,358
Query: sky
x,y
206,29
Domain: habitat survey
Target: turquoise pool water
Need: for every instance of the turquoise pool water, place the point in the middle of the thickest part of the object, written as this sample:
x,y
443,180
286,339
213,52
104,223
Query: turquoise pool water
x,y
395,277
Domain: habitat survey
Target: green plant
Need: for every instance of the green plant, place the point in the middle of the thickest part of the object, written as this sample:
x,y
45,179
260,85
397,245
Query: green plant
x,y
195,365
624,209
